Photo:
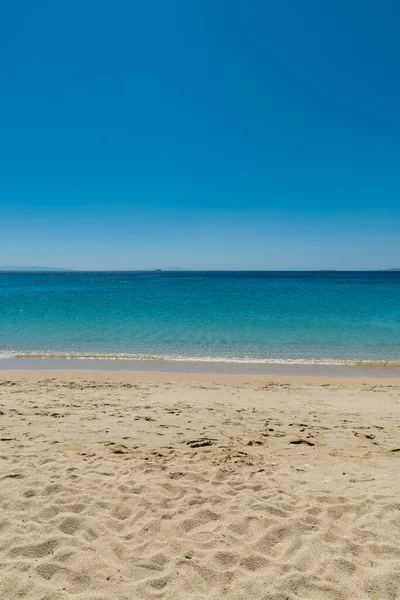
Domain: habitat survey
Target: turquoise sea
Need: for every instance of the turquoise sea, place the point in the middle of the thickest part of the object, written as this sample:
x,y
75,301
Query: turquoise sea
x,y
261,317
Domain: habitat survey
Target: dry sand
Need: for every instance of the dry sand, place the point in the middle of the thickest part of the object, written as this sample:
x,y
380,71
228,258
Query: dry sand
x,y
133,486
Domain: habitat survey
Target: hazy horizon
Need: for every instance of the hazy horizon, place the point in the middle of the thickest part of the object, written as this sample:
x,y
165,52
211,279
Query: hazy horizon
x,y
37,268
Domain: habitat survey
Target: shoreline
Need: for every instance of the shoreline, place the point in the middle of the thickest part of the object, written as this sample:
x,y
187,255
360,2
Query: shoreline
x,y
159,378
199,367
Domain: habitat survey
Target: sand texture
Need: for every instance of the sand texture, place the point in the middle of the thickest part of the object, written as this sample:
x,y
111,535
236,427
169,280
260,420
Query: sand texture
x,y
142,486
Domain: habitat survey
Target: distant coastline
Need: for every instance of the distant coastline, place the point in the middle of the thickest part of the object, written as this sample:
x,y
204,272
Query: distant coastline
x,y
23,269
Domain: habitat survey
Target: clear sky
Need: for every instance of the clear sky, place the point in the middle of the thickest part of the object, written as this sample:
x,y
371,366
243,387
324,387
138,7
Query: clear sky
x,y
200,134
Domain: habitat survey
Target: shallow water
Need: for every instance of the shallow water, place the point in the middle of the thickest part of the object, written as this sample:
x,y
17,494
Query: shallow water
x,y
289,318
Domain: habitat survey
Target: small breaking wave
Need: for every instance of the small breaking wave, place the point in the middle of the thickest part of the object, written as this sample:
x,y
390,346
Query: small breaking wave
x,y
267,360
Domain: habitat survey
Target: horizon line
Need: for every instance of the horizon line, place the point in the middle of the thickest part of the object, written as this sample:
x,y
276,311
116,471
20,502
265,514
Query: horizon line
x,y
37,269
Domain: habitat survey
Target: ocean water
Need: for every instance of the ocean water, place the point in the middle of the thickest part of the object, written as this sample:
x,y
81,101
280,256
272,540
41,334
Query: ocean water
x,y
260,317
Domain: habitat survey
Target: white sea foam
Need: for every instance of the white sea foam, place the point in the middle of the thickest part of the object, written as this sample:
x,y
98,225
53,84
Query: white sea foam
x,y
268,360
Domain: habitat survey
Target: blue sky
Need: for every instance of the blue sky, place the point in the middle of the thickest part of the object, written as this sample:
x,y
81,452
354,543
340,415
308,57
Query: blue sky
x,y
215,135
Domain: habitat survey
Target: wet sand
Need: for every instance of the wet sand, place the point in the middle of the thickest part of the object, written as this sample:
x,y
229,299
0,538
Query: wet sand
x,y
211,367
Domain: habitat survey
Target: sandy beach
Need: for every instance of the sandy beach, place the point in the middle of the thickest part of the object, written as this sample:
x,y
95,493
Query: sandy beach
x,y
130,486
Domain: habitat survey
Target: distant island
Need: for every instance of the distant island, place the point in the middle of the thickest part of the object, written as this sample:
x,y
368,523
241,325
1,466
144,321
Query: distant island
x,y
31,269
